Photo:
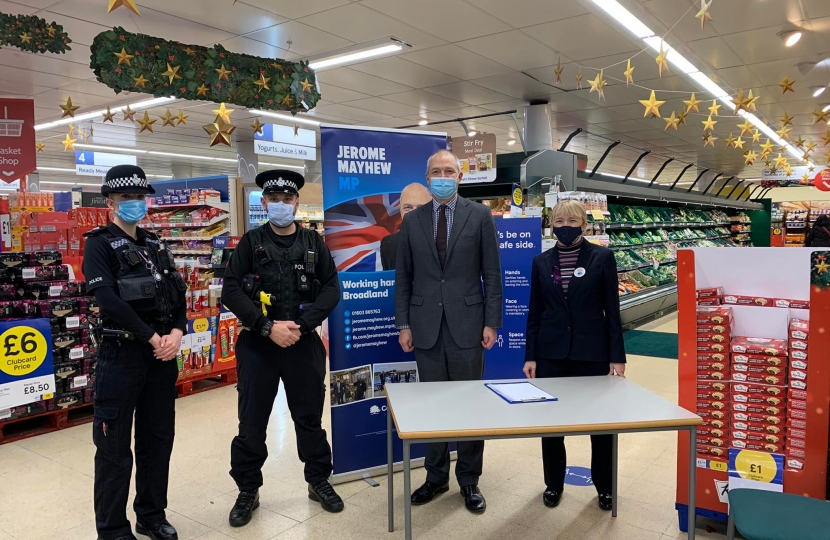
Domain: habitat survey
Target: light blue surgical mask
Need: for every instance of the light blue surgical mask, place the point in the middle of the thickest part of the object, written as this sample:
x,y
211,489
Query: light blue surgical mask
x,y
443,188
132,211
280,214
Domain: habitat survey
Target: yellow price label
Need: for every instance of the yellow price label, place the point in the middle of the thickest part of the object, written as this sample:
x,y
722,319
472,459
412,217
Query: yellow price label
x,y
517,196
22,350
718,465
47,396
757,466
597,214
201,325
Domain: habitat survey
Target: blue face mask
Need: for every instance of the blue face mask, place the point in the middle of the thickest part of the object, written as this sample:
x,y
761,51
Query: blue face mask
x,y
132,211
443,188
280,214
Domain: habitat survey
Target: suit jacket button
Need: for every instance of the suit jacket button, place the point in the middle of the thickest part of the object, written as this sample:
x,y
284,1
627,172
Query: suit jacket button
x,y
440,304
569,329
442,281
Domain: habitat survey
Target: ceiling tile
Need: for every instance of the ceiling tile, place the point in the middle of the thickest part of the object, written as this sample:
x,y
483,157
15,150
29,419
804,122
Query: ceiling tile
x,y
51,64
403,71
238,18
350,113
464,112
737,77
517,85
731,17
384,106
512,49
715,51
567,102
521,13
253,47
763,45
675,14
455,61
512,104
359,82
292,9
305,40
366,24
335,94
596,116
771,72
467,93
582,37
817,8
425,100
453,20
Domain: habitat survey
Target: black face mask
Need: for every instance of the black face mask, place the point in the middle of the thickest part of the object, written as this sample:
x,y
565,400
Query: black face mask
x,y
567,235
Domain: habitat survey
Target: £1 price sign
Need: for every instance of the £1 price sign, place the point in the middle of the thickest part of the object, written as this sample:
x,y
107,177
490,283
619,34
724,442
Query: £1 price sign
x,y
27,373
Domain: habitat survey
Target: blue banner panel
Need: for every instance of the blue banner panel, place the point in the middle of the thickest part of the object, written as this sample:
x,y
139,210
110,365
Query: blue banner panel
x,y
520,239
27,371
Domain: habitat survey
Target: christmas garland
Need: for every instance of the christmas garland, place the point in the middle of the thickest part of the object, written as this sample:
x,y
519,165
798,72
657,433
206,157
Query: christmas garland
x,y
140,63
33,34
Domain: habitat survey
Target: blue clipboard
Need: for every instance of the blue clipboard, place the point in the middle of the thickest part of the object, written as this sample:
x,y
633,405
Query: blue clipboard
x,y
494,388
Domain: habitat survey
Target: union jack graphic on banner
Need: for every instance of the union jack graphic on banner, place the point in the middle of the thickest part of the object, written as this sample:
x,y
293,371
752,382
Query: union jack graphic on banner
x,y
355,228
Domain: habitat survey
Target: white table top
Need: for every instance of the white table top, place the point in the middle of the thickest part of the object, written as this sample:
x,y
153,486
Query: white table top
x,y
469,409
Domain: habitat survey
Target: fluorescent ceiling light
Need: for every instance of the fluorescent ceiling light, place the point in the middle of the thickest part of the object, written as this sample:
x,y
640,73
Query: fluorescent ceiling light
x,y
70,183
817,90
54,169
92,115
614,9
790,38
302,167
674,57
708,84
285,117
472,133
511,142
826,108
381,50
111,148
188,156
423,122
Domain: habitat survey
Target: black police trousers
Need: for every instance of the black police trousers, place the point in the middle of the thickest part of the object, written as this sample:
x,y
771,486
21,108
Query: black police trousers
x,y
261,365
129,379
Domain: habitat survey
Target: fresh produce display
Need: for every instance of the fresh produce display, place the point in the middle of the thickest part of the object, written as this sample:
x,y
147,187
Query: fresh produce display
x,y
668,217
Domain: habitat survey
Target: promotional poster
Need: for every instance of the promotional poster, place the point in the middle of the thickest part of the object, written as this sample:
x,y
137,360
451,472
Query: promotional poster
x,y
27,373
370,178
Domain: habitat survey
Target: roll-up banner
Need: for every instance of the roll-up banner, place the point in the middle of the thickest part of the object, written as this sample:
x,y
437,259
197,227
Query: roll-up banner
x,y
365,173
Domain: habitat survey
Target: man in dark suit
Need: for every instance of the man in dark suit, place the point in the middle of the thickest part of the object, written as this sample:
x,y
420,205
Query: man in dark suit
x,y
446,249
340,391
413,196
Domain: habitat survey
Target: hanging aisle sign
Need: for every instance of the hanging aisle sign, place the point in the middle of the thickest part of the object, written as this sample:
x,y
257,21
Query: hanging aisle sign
x,y
98,163
17,139
286,141
26,367
477,155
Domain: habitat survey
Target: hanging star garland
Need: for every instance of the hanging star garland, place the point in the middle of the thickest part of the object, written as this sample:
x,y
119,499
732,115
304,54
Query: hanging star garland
x,y
730,142
202,91
597,85
262,82
799,142
146,123
579,79
219,131
129,114
704,14
750,102
69,109
709,140
671,122
739,143
786,85
709,124
182,118
257,126
169,119
740,101
692,104
682,117
223,73
558,71
123,57
810,146
756,136
652,105
784,132
109,116
40,147
224,113
629,73
713,109
750,157
172,73
788,171
746,127
661,60
69,143
140,81
786,120
820,116
32,34
780,161
296,129
826,138
129,4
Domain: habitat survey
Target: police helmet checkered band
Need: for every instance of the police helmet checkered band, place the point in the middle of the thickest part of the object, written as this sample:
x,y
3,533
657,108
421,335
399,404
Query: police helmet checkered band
x,y
130,181
281,183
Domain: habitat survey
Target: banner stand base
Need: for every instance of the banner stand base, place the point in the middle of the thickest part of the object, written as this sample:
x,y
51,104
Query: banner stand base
x,y
368,475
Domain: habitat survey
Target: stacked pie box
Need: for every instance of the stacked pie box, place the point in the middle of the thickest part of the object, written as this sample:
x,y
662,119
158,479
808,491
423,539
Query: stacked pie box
x,y
797,395
714,331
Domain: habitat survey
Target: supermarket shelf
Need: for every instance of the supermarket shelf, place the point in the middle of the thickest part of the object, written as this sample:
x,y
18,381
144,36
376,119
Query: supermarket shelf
x,y
632,268
192,263
191,238
175,251
665,225
173,225
226,206
650,244
630,300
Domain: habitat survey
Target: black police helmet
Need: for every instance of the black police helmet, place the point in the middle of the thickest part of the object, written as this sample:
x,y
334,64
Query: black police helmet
x,y
280,181
126,179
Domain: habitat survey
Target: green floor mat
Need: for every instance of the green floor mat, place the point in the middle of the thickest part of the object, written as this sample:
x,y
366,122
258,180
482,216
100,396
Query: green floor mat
x,y
644,343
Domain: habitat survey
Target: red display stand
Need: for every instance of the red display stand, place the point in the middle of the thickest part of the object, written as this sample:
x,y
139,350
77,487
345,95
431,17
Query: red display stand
x,y
766,277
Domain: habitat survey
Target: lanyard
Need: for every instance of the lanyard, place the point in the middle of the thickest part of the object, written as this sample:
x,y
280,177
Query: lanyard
x,y
149,265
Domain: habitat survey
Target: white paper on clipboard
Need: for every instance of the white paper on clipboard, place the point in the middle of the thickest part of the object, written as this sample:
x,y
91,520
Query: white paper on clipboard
x,y
520,392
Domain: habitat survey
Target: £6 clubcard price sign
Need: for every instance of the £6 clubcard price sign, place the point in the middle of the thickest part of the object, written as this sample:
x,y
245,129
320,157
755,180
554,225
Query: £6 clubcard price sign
x,y
26,368
17,139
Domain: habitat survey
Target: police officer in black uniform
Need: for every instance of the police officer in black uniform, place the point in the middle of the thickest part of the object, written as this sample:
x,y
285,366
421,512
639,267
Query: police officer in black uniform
x,y
142,301
281,282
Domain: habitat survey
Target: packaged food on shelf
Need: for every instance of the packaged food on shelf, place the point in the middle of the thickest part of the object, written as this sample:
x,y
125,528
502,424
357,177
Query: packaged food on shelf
x,y
762,346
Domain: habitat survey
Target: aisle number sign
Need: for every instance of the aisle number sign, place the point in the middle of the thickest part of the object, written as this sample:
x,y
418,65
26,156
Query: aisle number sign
x,y
26,369
98,163
751,469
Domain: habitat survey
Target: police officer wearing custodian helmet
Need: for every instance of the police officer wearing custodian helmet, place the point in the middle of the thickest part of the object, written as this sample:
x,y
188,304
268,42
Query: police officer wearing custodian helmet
x,y
281,282
142,300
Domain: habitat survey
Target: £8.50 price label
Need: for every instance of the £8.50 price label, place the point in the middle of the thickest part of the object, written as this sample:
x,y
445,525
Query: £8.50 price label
x,y
757,466
22,350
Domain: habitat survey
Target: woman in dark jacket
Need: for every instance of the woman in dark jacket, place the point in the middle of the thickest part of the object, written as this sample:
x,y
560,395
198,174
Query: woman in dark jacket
x,y
819,235
574,330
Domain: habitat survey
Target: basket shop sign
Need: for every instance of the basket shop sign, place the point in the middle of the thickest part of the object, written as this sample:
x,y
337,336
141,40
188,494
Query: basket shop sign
x,y
17,139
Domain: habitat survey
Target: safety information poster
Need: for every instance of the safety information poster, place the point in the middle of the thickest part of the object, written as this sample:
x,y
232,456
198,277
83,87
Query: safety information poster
x,y
27,373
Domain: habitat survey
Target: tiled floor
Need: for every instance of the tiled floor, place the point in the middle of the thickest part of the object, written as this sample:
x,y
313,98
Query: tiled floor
x,y
46,484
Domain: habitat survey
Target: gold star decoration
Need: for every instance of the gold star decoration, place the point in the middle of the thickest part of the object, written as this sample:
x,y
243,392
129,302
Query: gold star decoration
x,y
827,159
709,124
652,105
786,120
806,177
597,85
219,131
746,127
750,102
773,169
786,84
756,136
713,110
805,157
750,157
629,73
784,132
71,129
288,98
799,142
202,91
558,71
682,117
811,168
25,37
810,146
780,161
223,112
182,118
671,122
68,108
740,101
146,123
172,72
307,85
692,104
739,143
140,81
87,134
822,267
129,4
69,143
704,14
579,79
51,30
257,126
262,82
766,148
223,73
730,142
709,140
109,115
123,57
788,171
189,52
661,60
826,138
820,116
296,129
129,114
40,147
168,119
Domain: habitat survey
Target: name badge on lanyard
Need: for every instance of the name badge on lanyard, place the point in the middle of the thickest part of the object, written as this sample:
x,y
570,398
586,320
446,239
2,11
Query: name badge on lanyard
x,y
579,272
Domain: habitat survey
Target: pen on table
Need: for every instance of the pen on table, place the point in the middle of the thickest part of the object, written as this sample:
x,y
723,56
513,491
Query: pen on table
x,y
530,400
